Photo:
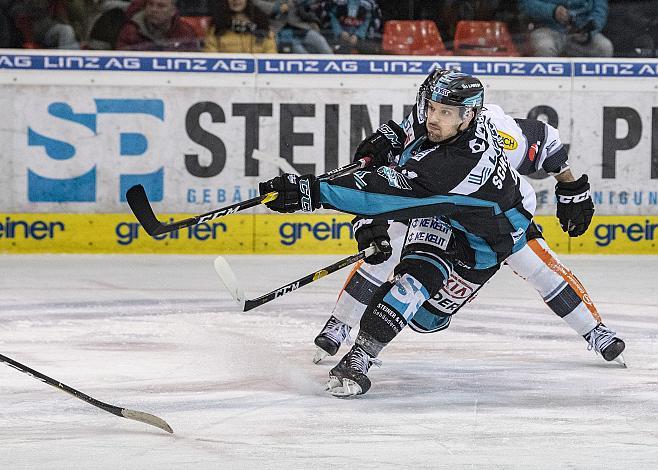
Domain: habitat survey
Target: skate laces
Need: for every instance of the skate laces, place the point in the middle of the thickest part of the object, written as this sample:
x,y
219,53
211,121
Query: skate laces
x,y
600,338
337,331
361,360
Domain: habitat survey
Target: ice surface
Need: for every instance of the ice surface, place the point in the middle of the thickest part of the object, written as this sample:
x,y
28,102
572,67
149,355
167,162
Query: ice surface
x,y
508,385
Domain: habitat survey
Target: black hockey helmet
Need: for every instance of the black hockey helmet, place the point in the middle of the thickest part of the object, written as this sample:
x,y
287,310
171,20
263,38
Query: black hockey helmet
x,y
452,88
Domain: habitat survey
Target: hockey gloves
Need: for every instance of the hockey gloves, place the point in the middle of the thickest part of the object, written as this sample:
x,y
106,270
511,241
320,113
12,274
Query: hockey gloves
x,y
386,142
296,193
373,232
574,206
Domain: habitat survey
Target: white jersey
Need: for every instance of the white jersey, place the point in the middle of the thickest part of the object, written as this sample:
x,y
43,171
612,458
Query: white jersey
x,y
530,145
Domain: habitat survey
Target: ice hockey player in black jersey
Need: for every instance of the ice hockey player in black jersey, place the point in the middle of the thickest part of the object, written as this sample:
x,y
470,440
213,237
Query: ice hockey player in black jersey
x,y
457,172
530,146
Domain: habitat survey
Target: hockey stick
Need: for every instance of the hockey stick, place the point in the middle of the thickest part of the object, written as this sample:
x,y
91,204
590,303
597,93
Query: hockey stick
x,y
141,207
279,162
115,410
229,280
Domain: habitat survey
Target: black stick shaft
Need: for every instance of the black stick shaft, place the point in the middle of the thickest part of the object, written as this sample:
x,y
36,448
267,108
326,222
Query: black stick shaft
x,y
141,207
115,410
309,278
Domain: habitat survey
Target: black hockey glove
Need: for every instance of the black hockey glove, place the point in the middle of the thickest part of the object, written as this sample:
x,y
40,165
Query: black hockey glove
x,y
384,143
296,193
574,206
373,232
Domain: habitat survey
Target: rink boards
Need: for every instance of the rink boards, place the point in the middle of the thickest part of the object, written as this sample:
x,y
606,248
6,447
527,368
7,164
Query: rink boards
x,y
85,126
272,234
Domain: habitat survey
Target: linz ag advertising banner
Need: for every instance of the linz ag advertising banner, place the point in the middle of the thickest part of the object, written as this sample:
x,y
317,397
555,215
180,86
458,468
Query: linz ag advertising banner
x,y
74,149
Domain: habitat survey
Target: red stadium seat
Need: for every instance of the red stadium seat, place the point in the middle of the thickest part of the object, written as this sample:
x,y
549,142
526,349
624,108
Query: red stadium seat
x,y
201,24
413,38
488,38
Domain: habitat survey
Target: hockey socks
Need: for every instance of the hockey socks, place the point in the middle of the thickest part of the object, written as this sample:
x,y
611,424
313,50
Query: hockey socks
x,y
392,306
390,309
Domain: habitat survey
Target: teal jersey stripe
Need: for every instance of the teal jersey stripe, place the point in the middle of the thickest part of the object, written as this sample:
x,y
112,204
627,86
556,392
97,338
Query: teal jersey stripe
x,y
360,202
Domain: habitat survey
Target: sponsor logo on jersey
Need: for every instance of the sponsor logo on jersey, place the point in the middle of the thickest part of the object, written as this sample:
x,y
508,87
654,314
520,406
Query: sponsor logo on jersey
x,y
509,142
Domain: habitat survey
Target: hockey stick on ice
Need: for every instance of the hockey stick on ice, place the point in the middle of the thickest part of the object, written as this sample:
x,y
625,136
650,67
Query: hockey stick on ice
x,y
229,280
141,207
115,410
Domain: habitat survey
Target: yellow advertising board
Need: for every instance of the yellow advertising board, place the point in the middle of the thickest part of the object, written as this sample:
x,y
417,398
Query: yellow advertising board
x,y
272,234
120,233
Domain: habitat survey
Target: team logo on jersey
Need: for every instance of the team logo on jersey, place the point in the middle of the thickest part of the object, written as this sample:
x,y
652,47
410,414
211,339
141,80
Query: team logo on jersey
x,y
394,178
509,142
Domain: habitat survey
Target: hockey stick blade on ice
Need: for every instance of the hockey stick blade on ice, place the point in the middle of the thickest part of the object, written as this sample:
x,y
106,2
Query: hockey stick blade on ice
x,y
229,280
141,206
141,416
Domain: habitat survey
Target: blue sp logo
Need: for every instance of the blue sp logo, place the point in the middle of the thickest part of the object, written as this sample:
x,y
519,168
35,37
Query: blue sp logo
x,y
70,174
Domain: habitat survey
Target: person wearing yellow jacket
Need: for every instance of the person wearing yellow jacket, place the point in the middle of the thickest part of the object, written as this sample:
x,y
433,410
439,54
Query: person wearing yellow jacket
x,y
240,27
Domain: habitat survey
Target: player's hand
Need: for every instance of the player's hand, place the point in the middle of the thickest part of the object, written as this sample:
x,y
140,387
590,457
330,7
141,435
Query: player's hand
x,y
384,143
295,193
574,206
370,232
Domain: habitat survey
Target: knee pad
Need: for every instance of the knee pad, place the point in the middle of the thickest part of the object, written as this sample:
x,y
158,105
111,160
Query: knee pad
x,y
430,270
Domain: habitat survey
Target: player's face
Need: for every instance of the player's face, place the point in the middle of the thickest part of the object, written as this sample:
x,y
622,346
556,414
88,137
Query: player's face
x,y
444,121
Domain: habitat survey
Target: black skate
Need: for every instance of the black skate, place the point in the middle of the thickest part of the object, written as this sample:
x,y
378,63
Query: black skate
x,y
605,342
349,377
330,338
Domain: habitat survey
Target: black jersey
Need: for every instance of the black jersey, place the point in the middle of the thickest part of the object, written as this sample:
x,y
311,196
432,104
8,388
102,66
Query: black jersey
x,y
468,180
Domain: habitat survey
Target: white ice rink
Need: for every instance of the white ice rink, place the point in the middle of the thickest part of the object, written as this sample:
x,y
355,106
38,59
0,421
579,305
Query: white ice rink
x,y
508,385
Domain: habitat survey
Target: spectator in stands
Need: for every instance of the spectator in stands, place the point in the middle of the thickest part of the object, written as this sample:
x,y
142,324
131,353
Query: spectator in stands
x,y
355,26
47,22
240,27
296,27
8,32
568,27
157,27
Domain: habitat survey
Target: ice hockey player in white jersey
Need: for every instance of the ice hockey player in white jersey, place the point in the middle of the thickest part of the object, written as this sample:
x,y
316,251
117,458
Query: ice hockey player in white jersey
x,y
530,146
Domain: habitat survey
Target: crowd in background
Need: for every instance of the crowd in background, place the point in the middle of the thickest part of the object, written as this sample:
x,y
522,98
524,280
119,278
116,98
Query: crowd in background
x,y
546,28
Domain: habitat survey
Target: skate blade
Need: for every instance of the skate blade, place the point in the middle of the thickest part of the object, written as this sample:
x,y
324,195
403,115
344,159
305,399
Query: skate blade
x,y
621,361
319,355
345,389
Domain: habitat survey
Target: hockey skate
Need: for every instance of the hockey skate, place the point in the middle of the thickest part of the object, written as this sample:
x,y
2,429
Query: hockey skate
x,y
605,342
330,338
349,377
